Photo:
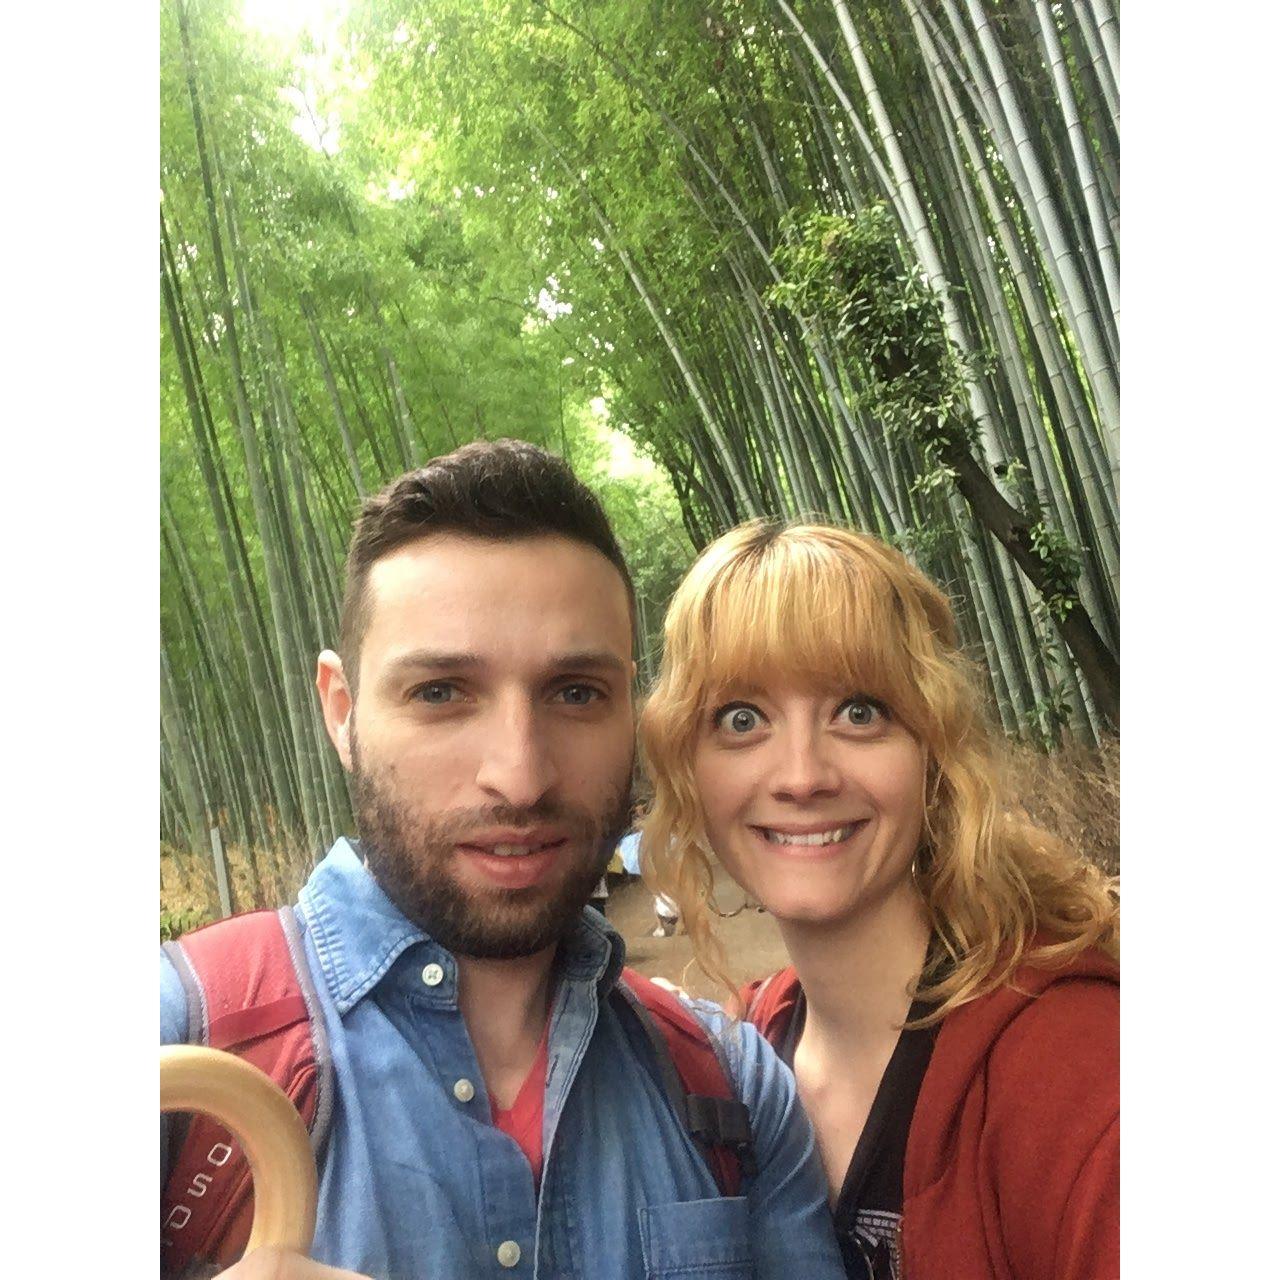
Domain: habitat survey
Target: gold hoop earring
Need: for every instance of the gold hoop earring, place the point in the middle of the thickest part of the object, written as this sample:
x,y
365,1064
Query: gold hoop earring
x,y
917,872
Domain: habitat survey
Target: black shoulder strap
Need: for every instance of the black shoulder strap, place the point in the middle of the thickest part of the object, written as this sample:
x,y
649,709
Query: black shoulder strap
x,y
695,1076
668,1076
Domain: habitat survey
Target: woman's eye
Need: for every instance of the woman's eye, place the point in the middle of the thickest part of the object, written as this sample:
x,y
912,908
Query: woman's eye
x,y
861,712
739,719
436,694
579,695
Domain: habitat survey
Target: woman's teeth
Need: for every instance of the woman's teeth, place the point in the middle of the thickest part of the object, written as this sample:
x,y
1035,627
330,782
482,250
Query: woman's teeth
x,y
834,836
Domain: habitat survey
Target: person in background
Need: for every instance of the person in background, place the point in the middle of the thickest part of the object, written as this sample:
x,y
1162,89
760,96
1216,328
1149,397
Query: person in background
x,y
600,894
667,915
665,912
951,1007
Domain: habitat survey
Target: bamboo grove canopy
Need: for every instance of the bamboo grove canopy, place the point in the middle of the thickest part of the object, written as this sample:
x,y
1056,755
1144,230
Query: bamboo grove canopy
x,y
731,259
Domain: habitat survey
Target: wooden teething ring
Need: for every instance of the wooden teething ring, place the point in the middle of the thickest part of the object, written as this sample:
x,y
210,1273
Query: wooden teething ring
x,y
267,1124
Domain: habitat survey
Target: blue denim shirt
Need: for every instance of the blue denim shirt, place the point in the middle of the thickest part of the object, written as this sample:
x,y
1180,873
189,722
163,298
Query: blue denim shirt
x,y
416,1184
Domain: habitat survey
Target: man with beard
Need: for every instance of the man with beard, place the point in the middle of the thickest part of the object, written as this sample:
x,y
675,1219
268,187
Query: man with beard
x,y
498,1111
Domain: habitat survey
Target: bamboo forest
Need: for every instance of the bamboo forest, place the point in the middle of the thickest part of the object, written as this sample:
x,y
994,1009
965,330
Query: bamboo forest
x,y
730,258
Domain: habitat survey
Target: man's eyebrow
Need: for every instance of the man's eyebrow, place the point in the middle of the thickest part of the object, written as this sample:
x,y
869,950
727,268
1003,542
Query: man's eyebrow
x,y
591,660
586,660
431,660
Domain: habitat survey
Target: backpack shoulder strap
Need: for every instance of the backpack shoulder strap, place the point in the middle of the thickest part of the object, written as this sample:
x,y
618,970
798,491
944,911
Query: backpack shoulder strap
x,y
249,992
769,1003
695,1075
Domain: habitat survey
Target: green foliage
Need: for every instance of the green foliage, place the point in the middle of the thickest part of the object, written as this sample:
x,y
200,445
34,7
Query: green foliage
x,y
850,274
173,924
1016,479
1061,558
925,542
1044,722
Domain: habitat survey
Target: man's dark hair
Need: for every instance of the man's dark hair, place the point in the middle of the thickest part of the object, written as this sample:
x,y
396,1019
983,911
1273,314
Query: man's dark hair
x,y
503,490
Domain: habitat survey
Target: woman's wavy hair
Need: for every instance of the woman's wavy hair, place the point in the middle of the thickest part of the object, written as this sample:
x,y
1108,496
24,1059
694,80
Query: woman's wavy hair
x,y
825,606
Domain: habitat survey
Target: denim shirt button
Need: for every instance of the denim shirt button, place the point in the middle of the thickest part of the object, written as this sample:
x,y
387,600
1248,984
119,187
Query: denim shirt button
x,y
509,1253
433,975
464,1090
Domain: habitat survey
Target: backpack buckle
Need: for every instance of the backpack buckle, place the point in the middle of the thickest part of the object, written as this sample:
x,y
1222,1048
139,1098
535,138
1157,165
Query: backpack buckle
x,y
723,1122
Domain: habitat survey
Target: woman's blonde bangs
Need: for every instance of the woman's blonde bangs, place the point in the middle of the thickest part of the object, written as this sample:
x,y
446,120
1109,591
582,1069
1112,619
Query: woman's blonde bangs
x,y
798,609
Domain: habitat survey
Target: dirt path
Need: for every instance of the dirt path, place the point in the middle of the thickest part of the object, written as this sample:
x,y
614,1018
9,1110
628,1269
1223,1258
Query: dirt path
x,y
750,937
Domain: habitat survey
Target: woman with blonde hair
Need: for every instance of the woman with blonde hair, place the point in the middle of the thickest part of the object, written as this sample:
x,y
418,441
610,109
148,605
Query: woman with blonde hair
x,y
951,1008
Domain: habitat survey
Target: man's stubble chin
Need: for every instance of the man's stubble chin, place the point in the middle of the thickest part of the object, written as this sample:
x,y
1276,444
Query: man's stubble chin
x,y
410,854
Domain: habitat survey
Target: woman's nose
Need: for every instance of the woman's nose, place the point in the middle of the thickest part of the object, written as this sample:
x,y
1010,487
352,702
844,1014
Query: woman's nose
x,y
805,769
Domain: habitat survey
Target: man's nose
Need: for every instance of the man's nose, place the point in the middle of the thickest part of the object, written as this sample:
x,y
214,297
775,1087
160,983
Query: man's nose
x,y
516,764
805,767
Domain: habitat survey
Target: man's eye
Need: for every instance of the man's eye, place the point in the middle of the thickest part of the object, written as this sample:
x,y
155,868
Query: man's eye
x,y
738,718
862,712
579,695
436,693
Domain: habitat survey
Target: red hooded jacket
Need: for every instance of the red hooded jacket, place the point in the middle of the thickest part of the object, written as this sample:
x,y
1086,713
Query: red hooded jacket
x,y
1012,1168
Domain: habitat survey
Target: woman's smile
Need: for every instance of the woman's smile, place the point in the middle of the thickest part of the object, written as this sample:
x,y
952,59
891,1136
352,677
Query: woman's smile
x,y
809,841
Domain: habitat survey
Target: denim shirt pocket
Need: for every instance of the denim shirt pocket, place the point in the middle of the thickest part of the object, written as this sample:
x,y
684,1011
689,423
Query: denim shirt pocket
x,y
707,1239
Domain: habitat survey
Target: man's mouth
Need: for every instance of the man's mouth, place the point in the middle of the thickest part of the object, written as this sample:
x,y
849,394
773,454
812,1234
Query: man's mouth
x,y
513,859
516,850
513,842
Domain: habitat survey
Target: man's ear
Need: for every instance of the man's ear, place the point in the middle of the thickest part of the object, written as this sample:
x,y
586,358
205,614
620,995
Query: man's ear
x,y
337,704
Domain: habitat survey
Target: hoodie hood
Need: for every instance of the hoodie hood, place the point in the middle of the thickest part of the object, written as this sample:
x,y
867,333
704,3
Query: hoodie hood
x,y
966,1040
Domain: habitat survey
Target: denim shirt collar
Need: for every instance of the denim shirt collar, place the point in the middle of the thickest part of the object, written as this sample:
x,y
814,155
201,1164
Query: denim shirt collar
x,y
359,933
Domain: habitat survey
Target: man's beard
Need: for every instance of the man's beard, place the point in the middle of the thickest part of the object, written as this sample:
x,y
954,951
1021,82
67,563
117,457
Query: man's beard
x,y
409,855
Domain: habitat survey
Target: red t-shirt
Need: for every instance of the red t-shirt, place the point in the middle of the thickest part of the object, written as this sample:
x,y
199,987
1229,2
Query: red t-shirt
x,y
522,1120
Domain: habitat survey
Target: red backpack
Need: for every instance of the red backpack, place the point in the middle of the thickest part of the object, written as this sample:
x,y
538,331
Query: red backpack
x,y
249,991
